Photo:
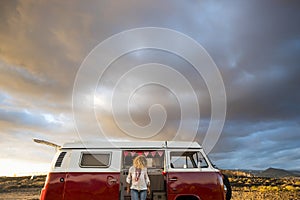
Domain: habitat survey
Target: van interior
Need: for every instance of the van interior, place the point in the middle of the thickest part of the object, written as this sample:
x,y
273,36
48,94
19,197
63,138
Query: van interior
x,y
155,167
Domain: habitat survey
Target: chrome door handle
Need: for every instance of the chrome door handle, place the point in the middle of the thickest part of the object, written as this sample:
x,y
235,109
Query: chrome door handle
x,y
172,179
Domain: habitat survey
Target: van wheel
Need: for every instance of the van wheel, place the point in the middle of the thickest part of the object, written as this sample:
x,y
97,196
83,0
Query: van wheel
x,y
228,186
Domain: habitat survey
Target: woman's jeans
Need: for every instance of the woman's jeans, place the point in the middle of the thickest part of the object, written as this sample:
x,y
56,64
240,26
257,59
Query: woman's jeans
x,y
135,194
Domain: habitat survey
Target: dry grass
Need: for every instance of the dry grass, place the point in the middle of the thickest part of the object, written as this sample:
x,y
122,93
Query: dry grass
x,y
246,194
247,187
12,184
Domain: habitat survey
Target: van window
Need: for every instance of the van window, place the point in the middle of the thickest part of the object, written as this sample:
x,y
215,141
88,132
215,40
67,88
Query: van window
x,y
201,160
60,159
188,159
95,160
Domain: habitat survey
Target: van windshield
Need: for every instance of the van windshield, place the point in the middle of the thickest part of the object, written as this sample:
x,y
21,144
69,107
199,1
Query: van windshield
x,y
155,159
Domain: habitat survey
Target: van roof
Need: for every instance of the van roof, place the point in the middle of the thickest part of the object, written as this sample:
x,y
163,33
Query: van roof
x,y
129,145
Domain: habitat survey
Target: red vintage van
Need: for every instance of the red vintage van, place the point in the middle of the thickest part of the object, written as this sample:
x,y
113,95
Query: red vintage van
x,y
97,170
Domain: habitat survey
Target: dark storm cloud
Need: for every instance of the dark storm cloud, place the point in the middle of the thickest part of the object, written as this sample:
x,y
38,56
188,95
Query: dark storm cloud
x,y
262,78
261,144
255,44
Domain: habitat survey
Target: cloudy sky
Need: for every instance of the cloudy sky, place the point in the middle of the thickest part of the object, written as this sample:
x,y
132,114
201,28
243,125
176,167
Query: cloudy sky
x,y
254,44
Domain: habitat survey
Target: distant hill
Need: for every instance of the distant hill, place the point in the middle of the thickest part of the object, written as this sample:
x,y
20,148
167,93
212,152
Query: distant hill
x,y
276,173
236,173
268,173
296,172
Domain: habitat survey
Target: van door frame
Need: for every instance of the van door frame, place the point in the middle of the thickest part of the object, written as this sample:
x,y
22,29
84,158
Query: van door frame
x,y
176,176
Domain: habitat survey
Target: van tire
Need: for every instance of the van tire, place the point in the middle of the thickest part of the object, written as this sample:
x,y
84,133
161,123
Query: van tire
x,y
228,186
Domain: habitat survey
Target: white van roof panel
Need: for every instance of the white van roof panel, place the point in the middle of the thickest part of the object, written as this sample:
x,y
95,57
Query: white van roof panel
x,y
129,144
177,144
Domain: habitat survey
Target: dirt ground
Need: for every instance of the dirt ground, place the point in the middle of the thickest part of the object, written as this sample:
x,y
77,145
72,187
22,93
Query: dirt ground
x,y
24,194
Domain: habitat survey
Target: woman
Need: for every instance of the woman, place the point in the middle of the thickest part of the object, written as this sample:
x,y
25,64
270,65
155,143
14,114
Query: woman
x,y
138,178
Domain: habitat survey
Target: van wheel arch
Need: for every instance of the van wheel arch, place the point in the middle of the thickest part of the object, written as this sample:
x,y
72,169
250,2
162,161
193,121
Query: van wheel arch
x,y
228,186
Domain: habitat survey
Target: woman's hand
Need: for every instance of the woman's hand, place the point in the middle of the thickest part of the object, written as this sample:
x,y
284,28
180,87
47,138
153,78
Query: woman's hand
x,y
128,190
148,190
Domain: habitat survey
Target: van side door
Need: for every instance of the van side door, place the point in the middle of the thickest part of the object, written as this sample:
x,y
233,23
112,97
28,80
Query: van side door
x,y
187,175
93,174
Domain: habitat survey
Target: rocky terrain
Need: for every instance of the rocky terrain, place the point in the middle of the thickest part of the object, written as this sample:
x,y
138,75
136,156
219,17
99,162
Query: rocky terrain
x,y
271,184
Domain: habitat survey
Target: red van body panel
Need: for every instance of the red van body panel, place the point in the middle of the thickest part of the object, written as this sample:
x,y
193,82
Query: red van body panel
x,y
204,185
81,186
92,186
54,186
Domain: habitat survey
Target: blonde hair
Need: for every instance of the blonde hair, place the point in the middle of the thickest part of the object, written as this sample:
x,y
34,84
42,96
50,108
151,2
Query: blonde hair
x,y
140,162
